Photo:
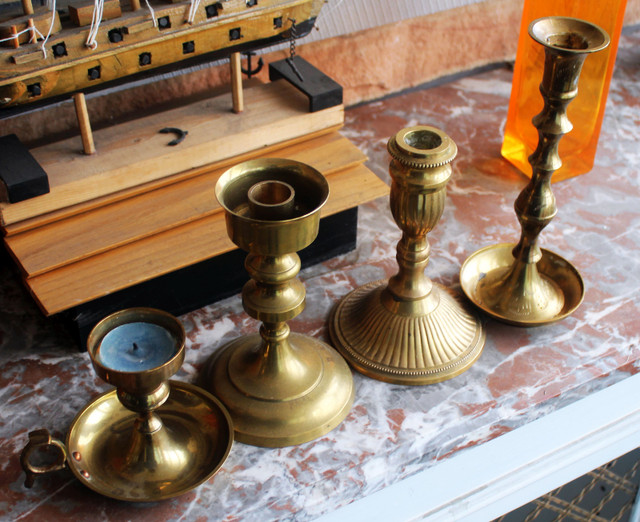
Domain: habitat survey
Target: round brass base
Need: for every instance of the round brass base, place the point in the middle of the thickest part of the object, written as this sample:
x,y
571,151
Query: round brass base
x,y
438,341
320,397
105,454
558,275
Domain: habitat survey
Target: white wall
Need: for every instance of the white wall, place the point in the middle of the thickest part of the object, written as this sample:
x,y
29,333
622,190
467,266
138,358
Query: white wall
x,y
339,17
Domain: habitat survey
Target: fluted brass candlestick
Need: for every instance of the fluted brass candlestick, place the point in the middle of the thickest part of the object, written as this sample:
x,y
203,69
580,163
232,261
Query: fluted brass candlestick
x,y
522,284
280,388
410,330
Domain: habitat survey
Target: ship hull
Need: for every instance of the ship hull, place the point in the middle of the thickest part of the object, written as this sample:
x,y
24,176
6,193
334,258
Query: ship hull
x,y
140,54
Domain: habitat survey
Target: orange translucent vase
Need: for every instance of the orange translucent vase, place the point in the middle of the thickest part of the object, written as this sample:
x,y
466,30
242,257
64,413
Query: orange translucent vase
x,y
578,147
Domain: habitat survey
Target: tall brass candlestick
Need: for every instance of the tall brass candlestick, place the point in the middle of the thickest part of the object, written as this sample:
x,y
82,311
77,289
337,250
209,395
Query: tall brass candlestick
x,y
410,330
281,388
523,284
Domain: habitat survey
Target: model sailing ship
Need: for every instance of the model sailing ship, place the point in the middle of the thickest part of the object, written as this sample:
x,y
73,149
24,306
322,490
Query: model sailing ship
x,y
61,49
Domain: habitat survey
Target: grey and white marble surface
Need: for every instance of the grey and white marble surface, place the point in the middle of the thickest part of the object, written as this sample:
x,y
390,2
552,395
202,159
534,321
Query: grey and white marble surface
x,y
392,431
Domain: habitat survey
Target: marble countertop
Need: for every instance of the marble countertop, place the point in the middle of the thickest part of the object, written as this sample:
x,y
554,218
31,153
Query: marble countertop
x,y
392,431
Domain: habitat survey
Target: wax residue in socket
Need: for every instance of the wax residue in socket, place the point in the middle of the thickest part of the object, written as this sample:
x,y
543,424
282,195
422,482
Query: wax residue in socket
x,y
134,347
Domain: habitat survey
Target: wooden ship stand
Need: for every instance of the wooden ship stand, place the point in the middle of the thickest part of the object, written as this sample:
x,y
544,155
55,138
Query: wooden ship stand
x,y
127,215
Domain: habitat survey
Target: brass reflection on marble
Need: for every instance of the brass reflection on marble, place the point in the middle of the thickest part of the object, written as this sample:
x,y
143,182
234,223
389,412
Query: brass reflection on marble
x,y
522,284
148,440
281,388
410,330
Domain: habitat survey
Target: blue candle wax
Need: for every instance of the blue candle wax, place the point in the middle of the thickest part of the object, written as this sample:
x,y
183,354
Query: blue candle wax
x,y
134,347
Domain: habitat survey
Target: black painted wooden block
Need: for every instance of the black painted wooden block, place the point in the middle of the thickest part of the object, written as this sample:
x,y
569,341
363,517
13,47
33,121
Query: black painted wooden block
x,y
322,91
21,174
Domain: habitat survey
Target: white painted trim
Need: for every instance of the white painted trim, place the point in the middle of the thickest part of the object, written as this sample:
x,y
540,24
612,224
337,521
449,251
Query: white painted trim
x,y
486,481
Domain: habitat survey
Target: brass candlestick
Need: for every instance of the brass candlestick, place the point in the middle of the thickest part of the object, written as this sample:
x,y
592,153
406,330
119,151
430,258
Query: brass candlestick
x,y
522,284
151,438
280,388
410,330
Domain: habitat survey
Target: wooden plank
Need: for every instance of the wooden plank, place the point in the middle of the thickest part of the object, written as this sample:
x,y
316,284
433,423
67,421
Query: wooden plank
x,y
353,187
81,13
193,287
70,240
134,152
27,56
86,206
138,27
173,249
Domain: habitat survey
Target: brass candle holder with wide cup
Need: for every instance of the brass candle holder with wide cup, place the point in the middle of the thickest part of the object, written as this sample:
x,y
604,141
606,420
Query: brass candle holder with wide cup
x,y
281,388
410,330
522,284
151,438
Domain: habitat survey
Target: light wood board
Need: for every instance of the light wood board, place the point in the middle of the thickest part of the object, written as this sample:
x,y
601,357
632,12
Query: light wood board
x,y
172,249
77,237
135,153
86,206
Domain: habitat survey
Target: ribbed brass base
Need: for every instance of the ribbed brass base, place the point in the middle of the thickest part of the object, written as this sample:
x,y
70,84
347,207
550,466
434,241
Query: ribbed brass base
x,y
419,342
320,393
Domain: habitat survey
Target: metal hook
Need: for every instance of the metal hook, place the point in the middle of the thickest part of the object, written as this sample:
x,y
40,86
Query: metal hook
x,y
181,135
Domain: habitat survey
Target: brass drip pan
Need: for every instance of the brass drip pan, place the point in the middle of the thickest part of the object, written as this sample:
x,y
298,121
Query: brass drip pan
x,y
99,440
499,258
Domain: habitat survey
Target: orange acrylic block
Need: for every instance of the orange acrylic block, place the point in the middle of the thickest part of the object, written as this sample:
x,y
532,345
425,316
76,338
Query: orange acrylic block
x,y
577,148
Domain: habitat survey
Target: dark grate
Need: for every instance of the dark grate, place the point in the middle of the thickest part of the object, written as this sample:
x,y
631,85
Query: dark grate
x,y
605,494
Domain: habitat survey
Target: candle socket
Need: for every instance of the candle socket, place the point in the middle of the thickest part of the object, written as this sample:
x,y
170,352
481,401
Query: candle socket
x,y
151,438
143,390
281,388
522,284
410,330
